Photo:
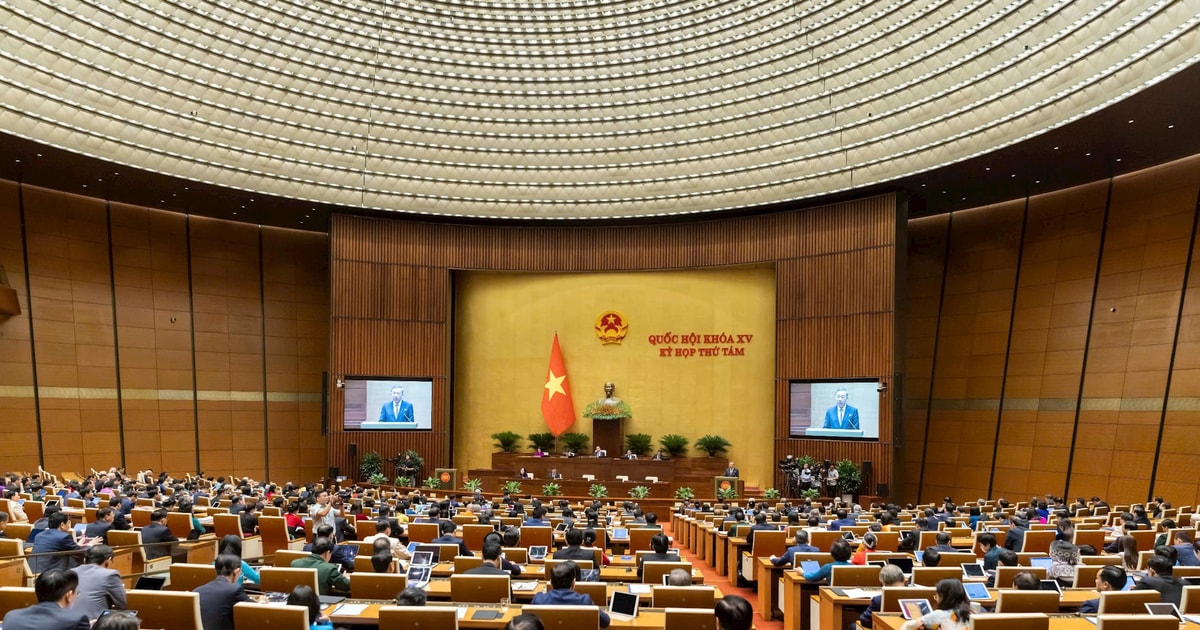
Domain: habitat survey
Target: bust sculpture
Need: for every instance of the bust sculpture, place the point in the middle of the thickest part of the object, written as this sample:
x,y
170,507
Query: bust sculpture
x,y
608,408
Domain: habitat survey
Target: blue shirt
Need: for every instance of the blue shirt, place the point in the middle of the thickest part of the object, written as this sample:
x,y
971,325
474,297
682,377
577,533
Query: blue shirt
x,y
789,556
825,571
568,597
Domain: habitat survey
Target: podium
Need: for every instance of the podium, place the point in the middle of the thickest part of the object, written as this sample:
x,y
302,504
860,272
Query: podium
x,y
610,435
445,477
834,433
720,483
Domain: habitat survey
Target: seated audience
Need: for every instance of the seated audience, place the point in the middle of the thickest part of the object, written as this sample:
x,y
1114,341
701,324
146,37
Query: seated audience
x,y
952,609
840,550
1160,577
330,579
303,595
55,591
561,593
100,586
411,596
218,597
890,575
801,546
734,613
1110,578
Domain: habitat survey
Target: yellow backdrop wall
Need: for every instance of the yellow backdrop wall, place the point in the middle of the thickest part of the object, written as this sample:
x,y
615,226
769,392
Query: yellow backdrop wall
x,y
505,323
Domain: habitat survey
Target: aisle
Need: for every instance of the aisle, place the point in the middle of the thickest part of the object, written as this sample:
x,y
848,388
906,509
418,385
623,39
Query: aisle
x,y
711,577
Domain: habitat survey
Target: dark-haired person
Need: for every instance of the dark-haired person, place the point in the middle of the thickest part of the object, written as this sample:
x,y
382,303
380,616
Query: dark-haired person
x,y
1109,578
840,550
158,532
561,593
100,586
659,543
574,549
733,612
589,542
232,544
760,525
411,596
801,546
330,580
1026,581
525,621
55,538
303,595
952,609
1159,577
218,597
448,538
118,621
55,591
491,560
98,528
1187,550
942,543
382,562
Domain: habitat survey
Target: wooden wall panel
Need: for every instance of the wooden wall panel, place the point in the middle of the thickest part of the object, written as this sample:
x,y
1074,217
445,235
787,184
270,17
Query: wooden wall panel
x,y
122,390
1096,322
836,280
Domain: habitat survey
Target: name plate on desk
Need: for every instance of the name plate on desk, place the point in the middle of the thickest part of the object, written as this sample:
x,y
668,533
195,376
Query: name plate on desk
x,y
834,433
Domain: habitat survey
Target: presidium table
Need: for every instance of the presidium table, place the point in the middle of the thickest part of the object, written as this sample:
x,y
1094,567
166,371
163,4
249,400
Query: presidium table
x,y
694,472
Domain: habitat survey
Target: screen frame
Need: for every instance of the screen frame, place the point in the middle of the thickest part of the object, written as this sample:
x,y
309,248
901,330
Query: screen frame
x,y
880,390
367,378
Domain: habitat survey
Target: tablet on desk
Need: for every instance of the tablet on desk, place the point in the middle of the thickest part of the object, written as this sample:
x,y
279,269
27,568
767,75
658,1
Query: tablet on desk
x,y
623,605
905,564
920,557
418,575
976,590
915,608
412,546
561,527
421,559
973,570
1044,563
810,566
620,532
537,552
1051,585
150,583
1165,608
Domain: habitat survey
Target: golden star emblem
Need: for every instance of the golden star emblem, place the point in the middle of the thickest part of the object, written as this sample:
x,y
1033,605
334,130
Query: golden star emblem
x,y
554,385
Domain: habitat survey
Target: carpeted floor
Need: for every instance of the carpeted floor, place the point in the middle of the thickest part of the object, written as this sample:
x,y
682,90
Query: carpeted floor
x,y
711,577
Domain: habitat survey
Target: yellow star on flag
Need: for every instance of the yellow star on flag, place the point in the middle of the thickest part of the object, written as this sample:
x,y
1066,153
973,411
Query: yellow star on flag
x,y
554,384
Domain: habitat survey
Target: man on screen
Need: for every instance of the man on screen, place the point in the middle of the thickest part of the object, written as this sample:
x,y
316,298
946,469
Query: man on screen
x,y
398,410
841,415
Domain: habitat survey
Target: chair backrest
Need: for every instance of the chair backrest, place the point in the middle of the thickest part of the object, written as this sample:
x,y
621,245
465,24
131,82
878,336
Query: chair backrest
x,y
566,617
885,541
853,575
1189,604
1100,560
473,535
1011,601
1182,572
423,532
1085,575
284,579
18,530
551,563
166,610
698,596
1093,537
251,615
597,591
890,600
926,540
227,524
1144,537
180,524
1038,541
425,618
15,597
447,552
284,557
1010,621
1126,602
462,564
1137,622
957,559
652,572
930,576
824,540
376,585
768,544
273,530
689,619
518,555
186,577
543,536
1005,575
483,589
639,539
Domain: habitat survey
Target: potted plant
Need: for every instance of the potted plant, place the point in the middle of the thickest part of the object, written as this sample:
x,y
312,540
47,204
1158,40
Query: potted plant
x,y
472,485
543,441
370,464
674,444
849,479
727,494
575,442
810,494
685,493
511,487
551,489
771,493
713,444
404,481
409,463
507,441
639,443
377,479
639,492
598,491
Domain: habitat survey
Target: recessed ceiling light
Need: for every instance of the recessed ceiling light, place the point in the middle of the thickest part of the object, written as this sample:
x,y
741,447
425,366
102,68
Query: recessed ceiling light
x,y
1131,121
1037,181
1055,148
1118,159
1088,153
1170,126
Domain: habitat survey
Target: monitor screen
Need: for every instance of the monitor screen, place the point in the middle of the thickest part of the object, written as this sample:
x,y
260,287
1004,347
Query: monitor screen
x,y
623,603
835,409
388,404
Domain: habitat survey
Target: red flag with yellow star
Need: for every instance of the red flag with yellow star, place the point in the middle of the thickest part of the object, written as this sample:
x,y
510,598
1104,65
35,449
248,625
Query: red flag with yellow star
x,y
557,408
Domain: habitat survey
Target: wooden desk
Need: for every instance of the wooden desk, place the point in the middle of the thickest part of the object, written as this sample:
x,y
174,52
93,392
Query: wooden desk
x,y
893,621
625,571
721,550
733,556
648,618
796,597
768,587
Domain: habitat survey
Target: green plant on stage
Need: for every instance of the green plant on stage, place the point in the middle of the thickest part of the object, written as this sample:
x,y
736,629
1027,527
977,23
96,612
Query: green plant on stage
x,y
472,484
810,494
849,477
370,465
576,442
639,443
685,493
727,494
807,460
432,482
511,487
639,492
598,491
404,481
674,444
507,441
551,489
544,441
713,444
771,493
377,479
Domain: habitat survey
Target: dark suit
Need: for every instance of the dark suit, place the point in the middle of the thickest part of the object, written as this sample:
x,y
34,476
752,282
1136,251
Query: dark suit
x,y
574,553
849,418
51,540
731,472
451,539
98,529
765,527
99,589
1170,589
387,413
656,557
1090,607
157,533
791,552
559,597
46,616
487,569
217,599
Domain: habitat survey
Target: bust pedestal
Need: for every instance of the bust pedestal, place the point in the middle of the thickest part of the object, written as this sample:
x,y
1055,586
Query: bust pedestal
x,y
610,435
